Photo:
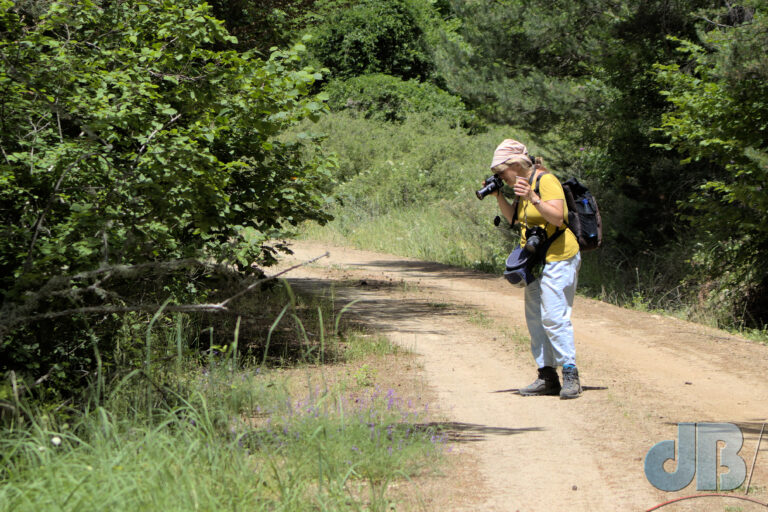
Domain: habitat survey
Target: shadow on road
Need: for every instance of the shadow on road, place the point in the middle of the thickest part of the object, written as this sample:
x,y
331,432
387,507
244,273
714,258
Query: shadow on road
x,y
457,432
380,311
516,391
425,268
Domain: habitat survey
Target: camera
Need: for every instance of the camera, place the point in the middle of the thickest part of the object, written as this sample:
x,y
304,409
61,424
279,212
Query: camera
x,y
491,184
534,239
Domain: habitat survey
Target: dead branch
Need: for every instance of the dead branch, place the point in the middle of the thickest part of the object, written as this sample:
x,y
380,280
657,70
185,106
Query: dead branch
x,y
13,317
261,281
714,22
56,285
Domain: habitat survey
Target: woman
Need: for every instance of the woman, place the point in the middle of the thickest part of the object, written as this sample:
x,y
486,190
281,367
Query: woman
x,y
549,299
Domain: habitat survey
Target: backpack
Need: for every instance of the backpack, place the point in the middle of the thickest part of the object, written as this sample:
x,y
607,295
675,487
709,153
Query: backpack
x,y
583,214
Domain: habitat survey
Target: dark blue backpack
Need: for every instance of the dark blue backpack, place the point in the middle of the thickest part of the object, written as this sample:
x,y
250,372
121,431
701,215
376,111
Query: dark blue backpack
x,y
583,215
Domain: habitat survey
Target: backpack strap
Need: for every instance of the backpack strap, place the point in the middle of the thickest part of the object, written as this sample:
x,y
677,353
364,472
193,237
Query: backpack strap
x,y
559,231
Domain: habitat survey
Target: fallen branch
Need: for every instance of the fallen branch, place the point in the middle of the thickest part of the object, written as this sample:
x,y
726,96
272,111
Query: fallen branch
x,y
260,281
58,285
220,307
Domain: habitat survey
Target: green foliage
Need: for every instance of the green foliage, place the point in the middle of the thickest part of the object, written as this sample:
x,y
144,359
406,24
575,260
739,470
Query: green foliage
x,y
389,98
526,62
579,75
261,24
126,139
371,36
409,189
719,120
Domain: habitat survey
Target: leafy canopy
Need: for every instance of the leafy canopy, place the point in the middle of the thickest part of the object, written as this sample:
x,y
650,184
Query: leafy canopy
x,y
390,98
371,36
719,118
128,138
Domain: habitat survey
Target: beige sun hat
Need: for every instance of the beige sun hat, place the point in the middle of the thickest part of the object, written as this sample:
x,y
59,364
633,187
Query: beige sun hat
x,y
510,151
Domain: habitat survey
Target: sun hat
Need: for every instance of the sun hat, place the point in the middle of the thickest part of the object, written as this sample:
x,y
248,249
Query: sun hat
x,y
511,150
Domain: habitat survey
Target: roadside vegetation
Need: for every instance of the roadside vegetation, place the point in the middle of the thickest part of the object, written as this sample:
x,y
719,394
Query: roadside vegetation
x,y
302,424
146,186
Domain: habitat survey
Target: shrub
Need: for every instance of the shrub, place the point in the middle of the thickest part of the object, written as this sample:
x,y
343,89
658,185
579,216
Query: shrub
x,y
717,119
133,143
389,98
409,188
371,36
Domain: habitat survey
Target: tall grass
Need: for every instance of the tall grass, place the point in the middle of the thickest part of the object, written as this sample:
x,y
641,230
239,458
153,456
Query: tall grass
x,y
327,451
191,433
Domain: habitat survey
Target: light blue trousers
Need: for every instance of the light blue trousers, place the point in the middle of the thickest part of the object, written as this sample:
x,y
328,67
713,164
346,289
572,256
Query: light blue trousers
x,y
548,304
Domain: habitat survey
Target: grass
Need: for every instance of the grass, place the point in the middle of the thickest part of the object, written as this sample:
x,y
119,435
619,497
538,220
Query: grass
x,y
451,233
209,433
480,319
518,340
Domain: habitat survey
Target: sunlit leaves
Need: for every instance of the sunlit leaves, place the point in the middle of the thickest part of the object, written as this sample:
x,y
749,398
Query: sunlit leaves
x,y
126,137
718,117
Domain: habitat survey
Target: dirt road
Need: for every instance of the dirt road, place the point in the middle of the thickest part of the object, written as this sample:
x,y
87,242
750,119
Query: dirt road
x,y
642,374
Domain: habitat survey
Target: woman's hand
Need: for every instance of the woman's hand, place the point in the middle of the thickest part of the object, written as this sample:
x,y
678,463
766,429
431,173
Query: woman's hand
x,y
523,188
495,193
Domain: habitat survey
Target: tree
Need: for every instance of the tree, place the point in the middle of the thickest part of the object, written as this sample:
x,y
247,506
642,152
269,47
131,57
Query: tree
x,y
719,119
127,139
261,24
371,36
389,98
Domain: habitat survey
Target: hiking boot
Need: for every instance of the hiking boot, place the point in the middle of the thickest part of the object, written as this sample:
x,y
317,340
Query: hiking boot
x,y
571,384
546,384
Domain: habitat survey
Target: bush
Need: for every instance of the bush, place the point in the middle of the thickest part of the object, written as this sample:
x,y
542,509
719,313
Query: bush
x,y
371,36
389,98
409,188
134,144
717,119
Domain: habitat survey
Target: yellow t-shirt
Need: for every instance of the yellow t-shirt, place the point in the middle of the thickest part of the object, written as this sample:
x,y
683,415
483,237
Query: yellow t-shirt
x,y
566,246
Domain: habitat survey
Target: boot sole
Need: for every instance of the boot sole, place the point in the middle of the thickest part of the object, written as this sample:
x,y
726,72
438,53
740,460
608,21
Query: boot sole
x,y
551,392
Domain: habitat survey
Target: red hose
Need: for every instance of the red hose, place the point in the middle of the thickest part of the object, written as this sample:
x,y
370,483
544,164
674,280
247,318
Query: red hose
x,y
731,496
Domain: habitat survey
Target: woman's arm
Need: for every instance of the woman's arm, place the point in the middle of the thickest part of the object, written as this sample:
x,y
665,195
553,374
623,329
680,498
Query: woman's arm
x,y
506,209
551,210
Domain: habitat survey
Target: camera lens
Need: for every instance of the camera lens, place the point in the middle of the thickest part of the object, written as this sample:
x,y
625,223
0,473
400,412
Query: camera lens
x,y
532,243
534,237
491,184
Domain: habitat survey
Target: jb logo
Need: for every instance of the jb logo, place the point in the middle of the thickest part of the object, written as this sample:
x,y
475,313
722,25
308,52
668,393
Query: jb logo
x,y
697,454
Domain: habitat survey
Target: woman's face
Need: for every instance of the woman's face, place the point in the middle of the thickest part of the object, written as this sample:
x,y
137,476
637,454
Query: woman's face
x,y
510,172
